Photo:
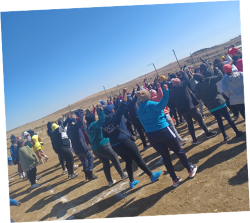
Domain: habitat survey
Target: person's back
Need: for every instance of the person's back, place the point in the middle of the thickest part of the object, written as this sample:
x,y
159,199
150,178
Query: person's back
x,y
233,87
27,157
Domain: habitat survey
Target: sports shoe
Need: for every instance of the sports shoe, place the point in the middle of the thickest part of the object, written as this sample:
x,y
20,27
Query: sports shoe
x,y
236,117
74,175
227,137
125,176
155,176
41,161
183,142
75,167
46,159
112,183
240,133
211,134
64,171
176,182
21,176
132,185
35,185
91,175
195,142
193,171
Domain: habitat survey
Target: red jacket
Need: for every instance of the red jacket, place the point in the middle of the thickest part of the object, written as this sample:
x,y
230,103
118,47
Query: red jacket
x,y
233,51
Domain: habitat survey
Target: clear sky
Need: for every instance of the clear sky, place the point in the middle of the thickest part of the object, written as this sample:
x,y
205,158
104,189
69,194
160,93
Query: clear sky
x,y
53,58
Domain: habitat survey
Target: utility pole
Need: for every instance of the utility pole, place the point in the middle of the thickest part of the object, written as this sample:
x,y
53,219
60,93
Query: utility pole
x,y
155,68
177,60
105,92
192,59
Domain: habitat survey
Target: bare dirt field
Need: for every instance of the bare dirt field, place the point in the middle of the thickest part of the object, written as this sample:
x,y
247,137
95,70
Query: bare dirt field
x,y
221,184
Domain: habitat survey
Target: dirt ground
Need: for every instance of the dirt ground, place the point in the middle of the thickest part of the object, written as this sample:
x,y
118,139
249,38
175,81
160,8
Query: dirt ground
x,y
221,184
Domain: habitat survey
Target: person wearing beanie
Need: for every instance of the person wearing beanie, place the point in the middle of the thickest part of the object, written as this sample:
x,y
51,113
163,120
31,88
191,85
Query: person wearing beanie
x,y
29,162
132,109
160,135
186,103
206,90
102,148
61,146
81,147
233,87
115,129
157,97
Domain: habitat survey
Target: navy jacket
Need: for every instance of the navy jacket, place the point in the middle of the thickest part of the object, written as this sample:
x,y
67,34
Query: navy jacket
x,y
77,137
112,123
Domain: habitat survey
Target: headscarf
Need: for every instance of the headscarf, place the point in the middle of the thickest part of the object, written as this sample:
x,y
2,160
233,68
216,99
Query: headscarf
x,y
143,95
71,121
54,126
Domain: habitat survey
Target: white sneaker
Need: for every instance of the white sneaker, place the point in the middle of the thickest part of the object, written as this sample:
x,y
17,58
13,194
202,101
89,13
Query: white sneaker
x,y
112,183
35,185
74,175
125,176
183,142
46,159
41,161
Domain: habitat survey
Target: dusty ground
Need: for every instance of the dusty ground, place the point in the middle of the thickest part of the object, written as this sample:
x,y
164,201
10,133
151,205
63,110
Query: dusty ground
x,y
221,184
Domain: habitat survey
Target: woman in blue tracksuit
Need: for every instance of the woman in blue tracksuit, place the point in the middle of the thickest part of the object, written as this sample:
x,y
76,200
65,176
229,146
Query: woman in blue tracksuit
x,y
14,203
115,129
159,134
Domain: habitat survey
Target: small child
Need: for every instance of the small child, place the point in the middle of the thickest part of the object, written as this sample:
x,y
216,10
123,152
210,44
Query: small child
x,y
14,203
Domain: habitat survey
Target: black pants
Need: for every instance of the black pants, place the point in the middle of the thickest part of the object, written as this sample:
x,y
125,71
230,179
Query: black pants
x,y
66,154
233,108
196,115
106,154
31,174
61,162
241,109
128,151
129,127
173,112
137,124
223,112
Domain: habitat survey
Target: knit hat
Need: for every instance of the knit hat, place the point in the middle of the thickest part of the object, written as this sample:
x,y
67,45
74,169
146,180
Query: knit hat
x,y
143,95
162,78
90,117
108,109
176,81
102,102
152,92
19,142
54,126
129,97
227,68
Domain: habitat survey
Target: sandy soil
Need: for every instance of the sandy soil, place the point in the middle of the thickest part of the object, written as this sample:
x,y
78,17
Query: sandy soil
x,y
221,184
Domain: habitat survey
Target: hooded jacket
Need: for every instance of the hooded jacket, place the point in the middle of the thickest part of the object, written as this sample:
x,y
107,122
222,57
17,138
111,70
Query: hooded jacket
x,y
76,135
112,125
94,131
208,92
27,157
182,96
233,87
151,113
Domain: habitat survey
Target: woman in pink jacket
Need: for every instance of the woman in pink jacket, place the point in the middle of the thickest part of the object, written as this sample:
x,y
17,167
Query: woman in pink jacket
x,y
157,97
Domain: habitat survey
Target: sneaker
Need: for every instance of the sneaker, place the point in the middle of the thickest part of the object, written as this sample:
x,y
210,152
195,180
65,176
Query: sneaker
x,y
145,148
91,176
193,171
74,175
195,142
211,134
41,161
112,183
64,171
155,176
240,133
176,182
132,185
236,117
46,158
183,142
226,138
35,185
125,176
21,176
75,167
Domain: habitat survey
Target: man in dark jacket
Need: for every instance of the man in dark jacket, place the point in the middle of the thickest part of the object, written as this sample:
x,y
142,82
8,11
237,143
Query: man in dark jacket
x,y
186,103
80,146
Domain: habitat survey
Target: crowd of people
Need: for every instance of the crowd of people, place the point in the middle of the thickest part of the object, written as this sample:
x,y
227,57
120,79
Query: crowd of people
x,y
148,111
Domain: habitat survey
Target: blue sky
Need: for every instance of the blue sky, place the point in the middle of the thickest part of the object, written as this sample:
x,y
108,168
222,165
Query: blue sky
x,y
53,58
